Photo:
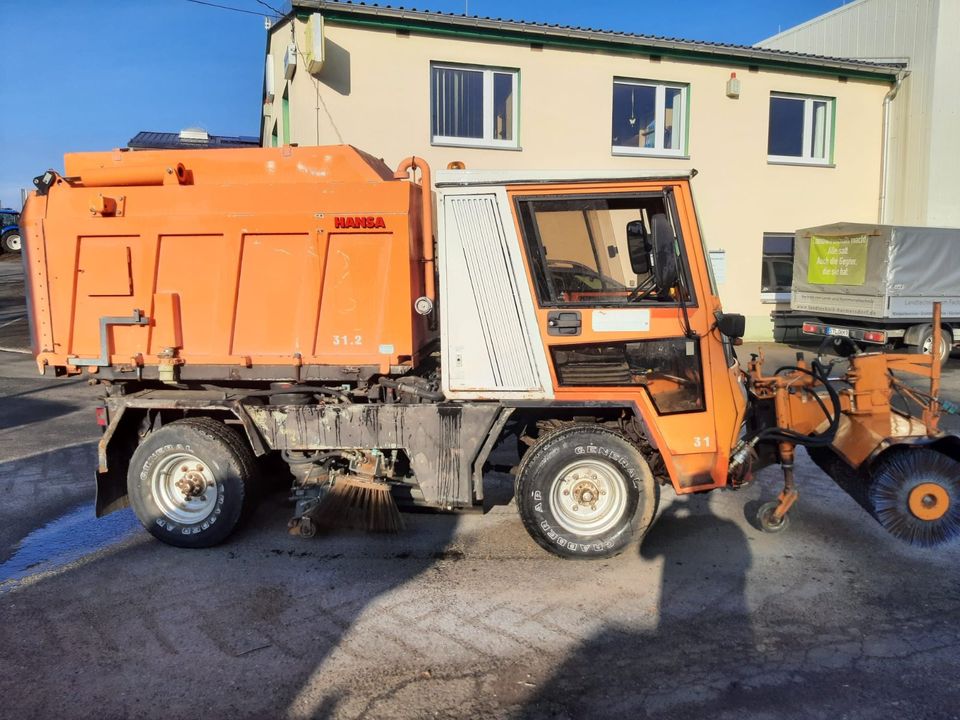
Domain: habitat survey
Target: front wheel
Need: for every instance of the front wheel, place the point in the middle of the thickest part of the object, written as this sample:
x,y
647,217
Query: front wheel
x,y
767,519
586,492
190,482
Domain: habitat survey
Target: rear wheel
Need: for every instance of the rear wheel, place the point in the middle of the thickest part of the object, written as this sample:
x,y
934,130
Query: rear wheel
x,y
11,241
924,344
191,481
586,492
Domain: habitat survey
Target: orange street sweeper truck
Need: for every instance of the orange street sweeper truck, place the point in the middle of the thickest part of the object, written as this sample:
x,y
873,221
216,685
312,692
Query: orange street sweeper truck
x,y
296,304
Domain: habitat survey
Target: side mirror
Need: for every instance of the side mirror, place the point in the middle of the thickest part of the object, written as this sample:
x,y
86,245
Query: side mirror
x,y
664,252
638,245
733,325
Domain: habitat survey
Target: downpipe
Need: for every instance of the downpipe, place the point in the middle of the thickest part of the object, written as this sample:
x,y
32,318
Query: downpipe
x,y
885,149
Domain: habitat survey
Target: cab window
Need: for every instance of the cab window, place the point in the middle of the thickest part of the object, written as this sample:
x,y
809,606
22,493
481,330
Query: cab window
x,y
668,369
597,251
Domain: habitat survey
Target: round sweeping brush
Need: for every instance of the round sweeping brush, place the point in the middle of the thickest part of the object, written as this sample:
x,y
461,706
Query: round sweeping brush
x,y
359,504
915,494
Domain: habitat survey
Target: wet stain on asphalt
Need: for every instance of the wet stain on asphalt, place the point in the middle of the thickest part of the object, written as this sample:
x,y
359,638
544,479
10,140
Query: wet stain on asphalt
x,y
70,537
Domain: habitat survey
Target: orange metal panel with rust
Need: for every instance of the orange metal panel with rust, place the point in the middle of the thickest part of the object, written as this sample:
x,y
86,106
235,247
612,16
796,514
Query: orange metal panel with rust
x,y
695,445
283,256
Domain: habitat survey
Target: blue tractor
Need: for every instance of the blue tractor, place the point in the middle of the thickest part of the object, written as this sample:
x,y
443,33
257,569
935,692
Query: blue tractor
x,y
10,238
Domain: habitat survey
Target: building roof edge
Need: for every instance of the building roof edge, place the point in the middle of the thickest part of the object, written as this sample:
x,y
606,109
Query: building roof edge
x,y
369,14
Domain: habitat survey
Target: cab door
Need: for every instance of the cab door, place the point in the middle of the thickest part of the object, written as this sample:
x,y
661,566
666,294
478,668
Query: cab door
x,y
617,329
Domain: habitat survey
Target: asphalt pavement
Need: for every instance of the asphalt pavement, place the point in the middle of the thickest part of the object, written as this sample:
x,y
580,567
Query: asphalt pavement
x,y
460,616
14,329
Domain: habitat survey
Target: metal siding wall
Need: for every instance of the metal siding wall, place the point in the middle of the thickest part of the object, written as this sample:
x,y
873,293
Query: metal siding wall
x,y
943,208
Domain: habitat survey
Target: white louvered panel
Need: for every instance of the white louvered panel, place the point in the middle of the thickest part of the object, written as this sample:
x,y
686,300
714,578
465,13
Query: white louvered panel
x,y
489,272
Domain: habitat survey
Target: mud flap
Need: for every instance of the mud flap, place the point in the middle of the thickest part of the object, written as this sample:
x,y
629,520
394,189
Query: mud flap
x,y
111,492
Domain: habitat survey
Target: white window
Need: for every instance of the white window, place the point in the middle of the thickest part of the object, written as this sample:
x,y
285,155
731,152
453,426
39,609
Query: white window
x,y
801,129
473,106
649,118
776,275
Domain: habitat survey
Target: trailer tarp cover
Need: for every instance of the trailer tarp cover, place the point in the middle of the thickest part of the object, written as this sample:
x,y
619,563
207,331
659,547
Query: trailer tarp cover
x,y
876,271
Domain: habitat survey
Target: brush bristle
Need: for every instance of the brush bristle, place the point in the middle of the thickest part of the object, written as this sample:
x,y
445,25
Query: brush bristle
x,y
360,505
901,471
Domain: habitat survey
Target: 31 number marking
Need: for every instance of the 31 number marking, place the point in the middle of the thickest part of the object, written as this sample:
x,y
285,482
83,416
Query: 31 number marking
x,y
701,442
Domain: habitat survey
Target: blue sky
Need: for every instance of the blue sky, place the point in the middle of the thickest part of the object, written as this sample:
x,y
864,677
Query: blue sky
x,y
89,74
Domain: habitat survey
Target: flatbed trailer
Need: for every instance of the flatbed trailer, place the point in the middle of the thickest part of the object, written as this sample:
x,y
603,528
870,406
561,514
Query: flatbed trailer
x,y
874,284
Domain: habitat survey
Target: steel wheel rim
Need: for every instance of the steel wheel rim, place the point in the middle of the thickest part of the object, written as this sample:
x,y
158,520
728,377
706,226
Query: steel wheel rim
x,y
184,488
928,346
14,242
588,497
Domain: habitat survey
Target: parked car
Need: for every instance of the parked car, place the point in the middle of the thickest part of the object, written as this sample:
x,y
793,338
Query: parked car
x,y
9,230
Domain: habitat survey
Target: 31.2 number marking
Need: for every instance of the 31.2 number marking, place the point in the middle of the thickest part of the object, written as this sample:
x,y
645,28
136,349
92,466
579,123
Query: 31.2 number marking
x,y
348,340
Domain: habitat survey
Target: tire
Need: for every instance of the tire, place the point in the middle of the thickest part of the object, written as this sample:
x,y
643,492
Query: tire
x,y
925,343
766,521
11,241
194,452
567,469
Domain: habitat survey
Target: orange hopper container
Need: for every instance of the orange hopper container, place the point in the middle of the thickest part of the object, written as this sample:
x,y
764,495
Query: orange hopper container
x,y
254,264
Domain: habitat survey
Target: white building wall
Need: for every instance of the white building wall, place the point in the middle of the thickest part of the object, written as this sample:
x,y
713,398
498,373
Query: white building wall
x,y
923,181
374,92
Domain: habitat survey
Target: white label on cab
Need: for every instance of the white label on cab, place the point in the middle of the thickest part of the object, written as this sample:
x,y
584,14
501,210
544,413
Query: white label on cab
x,y
621,320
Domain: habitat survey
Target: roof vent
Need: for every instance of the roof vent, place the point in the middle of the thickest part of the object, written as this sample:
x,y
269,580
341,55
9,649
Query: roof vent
x,y
195,134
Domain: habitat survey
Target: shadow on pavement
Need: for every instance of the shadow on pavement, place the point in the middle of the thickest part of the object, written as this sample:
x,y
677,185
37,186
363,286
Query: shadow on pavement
x,y
17,411
38,489
144,629
622,673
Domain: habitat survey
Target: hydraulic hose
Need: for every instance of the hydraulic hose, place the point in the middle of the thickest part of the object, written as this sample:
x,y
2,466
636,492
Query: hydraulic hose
x,y
779,434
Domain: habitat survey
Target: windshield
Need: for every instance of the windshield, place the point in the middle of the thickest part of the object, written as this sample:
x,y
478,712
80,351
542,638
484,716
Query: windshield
x,y
594,250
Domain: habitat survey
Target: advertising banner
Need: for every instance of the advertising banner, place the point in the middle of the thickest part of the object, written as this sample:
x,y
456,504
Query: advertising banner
x,y
837,260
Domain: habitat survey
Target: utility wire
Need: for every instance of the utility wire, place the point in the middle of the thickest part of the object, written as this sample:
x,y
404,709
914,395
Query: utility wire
x,y
227,7
270,7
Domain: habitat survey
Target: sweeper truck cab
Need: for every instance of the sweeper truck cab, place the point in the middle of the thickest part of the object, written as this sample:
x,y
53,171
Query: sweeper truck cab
x,y
297,304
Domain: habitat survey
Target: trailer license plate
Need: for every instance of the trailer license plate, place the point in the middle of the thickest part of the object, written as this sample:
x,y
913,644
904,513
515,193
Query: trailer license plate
x,y
839,332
